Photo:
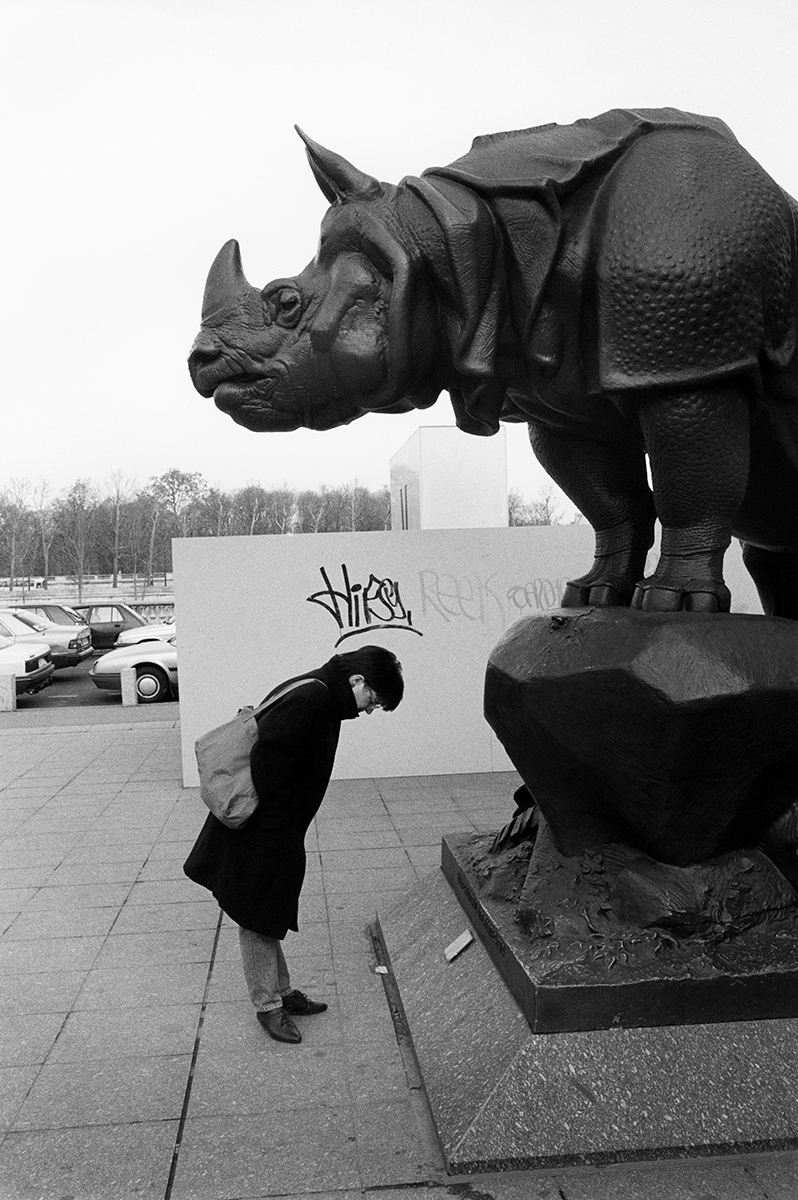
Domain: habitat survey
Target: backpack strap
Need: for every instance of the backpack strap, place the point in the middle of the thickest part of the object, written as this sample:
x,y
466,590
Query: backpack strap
x,y
289,687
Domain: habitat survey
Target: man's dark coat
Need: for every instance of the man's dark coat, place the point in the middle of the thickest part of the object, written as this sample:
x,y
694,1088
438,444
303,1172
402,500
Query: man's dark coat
x,y
256,872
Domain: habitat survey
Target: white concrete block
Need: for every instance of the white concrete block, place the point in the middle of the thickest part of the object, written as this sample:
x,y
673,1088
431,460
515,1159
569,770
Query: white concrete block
x,y
443,479
128,677
8,691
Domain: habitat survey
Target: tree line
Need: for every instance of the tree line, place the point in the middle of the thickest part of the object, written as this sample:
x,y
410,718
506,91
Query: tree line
x,y
121,528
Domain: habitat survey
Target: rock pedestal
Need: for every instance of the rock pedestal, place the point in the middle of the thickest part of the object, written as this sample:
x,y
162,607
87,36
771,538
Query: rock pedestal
x,y
675,734
662,752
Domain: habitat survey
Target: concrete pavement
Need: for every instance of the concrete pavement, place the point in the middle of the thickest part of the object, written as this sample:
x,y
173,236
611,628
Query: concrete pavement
x,y
130,1061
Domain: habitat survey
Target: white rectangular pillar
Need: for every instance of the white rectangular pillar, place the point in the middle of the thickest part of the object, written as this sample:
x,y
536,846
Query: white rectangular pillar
x,y
8,691
442,478
129,694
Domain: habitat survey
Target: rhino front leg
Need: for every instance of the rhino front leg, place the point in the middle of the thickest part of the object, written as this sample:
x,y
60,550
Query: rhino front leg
x,y
698,446
608,485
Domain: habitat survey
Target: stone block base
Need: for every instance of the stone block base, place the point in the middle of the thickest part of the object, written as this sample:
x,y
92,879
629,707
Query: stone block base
x,y
505,1098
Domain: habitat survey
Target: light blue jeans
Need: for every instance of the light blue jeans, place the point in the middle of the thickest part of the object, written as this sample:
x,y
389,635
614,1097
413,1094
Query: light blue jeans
x,y
265,969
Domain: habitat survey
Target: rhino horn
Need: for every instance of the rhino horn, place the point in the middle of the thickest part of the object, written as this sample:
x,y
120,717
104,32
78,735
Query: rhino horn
x,y
225,281
336,177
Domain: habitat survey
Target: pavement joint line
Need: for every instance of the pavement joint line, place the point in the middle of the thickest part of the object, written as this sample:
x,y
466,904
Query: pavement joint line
x,y
419,1102
190,1081
116,727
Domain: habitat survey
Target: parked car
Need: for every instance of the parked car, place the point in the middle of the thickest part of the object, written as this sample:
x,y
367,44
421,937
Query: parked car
x,y
20,633
69,644
62,614
30,662
107,621
155,664
150,631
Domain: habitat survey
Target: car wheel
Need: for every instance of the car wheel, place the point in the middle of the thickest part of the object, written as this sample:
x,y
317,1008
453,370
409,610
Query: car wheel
x,y
151,685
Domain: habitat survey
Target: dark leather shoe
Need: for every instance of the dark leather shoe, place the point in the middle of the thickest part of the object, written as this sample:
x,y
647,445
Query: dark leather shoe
x,y
300,1005
279,1025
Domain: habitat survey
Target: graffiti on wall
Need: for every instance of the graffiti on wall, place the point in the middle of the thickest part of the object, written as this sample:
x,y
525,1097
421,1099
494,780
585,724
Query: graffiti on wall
x,y
485,599
363,607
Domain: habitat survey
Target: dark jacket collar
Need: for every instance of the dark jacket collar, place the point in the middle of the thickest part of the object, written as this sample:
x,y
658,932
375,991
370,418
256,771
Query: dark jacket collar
x,y
336,677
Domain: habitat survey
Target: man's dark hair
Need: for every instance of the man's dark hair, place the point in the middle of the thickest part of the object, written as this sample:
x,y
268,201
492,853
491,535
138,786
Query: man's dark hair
x,y
381,670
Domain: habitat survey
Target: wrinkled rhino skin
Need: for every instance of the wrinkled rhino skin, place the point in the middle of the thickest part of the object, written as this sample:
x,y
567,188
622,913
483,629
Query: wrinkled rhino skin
x,y
626,285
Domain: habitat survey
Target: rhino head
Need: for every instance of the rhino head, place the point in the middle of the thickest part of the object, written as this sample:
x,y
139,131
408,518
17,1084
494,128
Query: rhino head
x,y
353,333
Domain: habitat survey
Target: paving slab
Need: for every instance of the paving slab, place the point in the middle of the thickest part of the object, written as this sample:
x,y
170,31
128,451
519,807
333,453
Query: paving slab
x,y
143,986
109,1091
28,1038
777,1175
15,1083
271,1154
124,950
167,1029
45,954
50,991
259,1076
103,1162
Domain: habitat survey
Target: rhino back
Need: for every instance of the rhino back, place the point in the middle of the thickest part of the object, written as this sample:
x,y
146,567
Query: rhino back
x,y
694,265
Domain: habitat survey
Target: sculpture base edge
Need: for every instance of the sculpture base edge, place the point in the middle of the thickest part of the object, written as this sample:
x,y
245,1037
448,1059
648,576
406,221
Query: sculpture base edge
x,y
503,1098
558,993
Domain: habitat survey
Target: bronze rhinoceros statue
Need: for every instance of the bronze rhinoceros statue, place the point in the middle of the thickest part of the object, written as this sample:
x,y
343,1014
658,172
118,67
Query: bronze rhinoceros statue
x,y
626,285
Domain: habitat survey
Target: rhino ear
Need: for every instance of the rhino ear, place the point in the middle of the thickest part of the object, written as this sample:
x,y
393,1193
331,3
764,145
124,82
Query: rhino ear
x,y
336,177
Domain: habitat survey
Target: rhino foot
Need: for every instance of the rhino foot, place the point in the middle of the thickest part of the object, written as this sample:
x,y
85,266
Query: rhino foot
x,y
598,590
691,595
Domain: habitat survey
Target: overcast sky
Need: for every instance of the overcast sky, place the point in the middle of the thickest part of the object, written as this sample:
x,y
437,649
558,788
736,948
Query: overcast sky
x,y
139,135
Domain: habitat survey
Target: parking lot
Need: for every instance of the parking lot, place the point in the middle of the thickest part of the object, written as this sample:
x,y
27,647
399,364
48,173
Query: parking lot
x,y
72,687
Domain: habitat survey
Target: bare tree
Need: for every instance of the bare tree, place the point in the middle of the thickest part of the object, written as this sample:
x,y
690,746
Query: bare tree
x,y
77,515
281,511
216,514
44,513
541,511
180,495
249,504
17,528
119,489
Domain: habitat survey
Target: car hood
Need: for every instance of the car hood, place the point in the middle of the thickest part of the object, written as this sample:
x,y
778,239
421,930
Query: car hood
x,y
155,630
130,655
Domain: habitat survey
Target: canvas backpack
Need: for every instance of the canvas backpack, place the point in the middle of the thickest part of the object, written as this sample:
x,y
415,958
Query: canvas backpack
x,y
226,785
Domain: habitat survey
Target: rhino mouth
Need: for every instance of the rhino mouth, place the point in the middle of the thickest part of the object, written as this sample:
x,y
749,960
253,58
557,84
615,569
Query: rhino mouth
x,y
249,402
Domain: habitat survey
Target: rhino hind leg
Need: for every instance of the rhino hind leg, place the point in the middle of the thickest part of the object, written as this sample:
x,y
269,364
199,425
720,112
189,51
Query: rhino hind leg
x,y
698,446
608,485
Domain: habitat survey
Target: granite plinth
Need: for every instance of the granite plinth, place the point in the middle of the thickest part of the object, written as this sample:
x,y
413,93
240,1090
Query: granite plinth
x,y
561,987
505,1098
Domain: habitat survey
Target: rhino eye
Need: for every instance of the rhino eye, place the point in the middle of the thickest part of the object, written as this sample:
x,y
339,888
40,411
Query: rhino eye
x,y
287,305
